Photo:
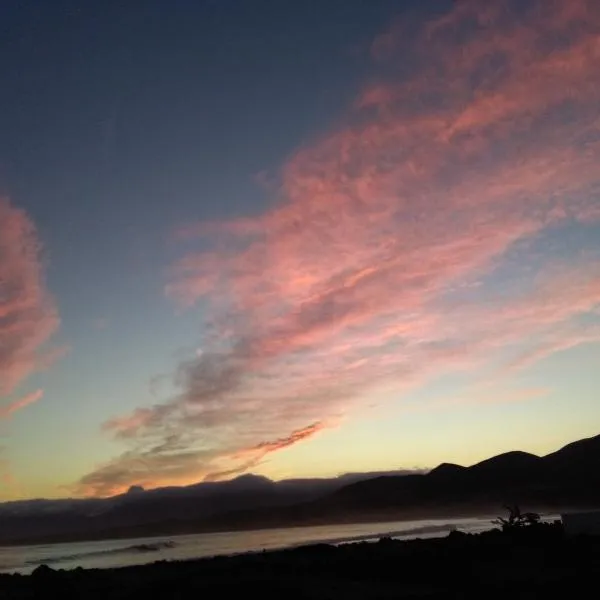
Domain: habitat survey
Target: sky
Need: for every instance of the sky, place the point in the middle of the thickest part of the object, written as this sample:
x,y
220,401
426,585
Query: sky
x,y
296,239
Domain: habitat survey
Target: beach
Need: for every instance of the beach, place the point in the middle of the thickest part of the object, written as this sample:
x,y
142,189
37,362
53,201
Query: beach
x,y
114,553
530,563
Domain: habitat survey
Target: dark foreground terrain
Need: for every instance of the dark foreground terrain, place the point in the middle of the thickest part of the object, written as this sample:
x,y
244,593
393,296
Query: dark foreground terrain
x,y
530,563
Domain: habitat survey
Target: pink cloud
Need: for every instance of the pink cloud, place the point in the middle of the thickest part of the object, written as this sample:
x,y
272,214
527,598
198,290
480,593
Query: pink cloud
x,y
169,465
28,317
10,409
554,343
350,281
128,425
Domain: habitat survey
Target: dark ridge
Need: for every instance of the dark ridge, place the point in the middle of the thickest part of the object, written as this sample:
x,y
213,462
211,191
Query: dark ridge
x,y
507,461
567,478
446,470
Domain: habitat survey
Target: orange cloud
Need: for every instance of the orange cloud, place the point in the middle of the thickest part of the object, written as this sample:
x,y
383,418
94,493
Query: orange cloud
x,y
145,468
167,464
373,265
28,317
289,440
13,407
251,457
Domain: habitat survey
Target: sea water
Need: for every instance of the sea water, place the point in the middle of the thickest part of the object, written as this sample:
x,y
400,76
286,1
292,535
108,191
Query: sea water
x,y
119,553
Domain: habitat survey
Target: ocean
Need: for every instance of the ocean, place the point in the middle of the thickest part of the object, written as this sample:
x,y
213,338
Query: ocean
x,y
119,553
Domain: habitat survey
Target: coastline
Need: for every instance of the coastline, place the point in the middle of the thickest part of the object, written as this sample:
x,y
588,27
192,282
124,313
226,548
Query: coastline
x,y
175,529
136,551
494,564
218,525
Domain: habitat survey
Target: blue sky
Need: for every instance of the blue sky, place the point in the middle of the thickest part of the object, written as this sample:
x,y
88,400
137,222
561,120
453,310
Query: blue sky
x,y
293,238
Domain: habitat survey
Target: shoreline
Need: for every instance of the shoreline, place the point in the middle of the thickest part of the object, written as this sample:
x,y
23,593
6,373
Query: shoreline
x,y
137,551
212,526
491,564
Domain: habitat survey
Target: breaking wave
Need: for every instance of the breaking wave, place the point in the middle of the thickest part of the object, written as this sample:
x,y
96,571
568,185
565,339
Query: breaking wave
x,y
136,548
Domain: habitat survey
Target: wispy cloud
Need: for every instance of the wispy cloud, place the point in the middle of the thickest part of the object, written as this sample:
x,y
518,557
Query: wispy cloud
x,y
555,342
11,408
28,317
373,265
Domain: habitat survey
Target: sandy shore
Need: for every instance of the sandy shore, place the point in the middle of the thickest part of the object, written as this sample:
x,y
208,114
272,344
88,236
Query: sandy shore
x,y
528,564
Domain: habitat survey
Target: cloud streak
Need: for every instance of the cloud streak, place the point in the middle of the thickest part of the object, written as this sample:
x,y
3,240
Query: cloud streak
x,y
28,316
375,265
10,409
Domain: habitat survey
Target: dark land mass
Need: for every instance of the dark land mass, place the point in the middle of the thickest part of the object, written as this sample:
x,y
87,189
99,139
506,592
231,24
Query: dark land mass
x,y
530,562
568,478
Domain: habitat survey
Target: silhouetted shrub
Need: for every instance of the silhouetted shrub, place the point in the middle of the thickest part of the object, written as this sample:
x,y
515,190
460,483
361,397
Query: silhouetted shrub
x,y
516,519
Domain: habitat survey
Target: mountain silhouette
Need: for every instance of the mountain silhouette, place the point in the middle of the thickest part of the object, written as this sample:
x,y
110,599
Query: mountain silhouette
x,y
567,478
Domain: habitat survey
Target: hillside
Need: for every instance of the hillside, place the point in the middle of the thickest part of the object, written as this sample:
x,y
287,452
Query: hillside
x,y
566,478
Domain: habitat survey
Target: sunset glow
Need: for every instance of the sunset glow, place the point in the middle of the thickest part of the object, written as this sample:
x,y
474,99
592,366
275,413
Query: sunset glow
x,y
221,280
